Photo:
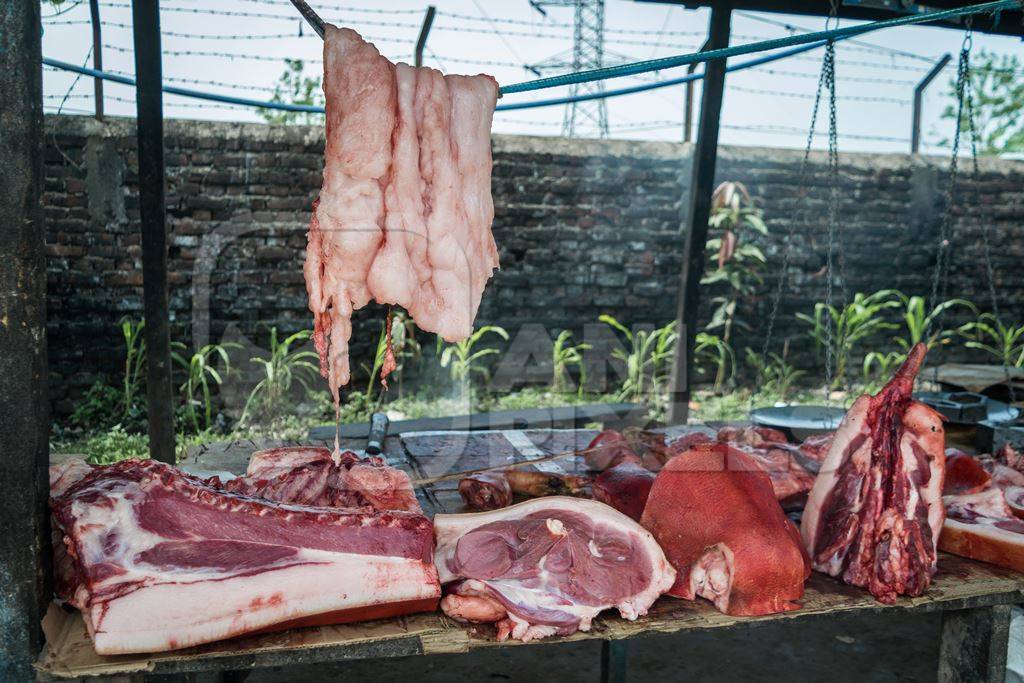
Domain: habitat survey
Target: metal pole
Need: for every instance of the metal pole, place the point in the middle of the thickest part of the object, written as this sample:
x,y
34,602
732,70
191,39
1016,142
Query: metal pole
x,y
24,425
149,106
688,113
705,155
915,130
421,42
97,56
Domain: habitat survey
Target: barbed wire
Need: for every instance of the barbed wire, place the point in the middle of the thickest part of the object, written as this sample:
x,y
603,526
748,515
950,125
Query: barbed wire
x,y
810,96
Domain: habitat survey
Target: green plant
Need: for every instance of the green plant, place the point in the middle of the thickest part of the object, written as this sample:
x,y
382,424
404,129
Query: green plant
x,y
646,359
98,408
115,444
775,375
294,87
737,261
196,391
711,349
281,370
989,334
919,322
565,354
134,363
404,346
878,368
462,361
837,329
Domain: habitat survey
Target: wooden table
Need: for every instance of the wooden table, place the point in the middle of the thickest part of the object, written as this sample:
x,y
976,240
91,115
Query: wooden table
x,y
974,598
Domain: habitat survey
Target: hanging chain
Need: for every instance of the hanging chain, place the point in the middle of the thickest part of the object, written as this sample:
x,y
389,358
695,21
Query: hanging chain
x,y
985,238
802,188
832,216
943,256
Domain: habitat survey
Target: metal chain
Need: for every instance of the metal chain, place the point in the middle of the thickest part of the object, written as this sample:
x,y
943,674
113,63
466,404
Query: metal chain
x,y
791,232
831,219
985,239
944,251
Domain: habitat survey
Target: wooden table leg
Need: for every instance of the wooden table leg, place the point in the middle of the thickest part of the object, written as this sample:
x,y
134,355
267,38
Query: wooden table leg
x,y
974,643
613,661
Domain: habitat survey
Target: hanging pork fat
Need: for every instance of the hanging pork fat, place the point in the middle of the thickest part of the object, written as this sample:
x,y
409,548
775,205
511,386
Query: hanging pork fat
x,y
404,215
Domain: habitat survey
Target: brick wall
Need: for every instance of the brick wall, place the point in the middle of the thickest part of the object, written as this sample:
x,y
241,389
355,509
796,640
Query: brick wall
x,y
584,227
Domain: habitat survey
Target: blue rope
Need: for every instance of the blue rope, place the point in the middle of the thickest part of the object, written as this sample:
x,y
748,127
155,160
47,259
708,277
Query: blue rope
x,y
661,63
313,109
185,92
689,78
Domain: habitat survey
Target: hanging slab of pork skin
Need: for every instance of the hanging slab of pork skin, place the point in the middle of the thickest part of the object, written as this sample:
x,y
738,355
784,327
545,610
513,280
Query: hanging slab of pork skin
x,y
547,566
404,215
875,513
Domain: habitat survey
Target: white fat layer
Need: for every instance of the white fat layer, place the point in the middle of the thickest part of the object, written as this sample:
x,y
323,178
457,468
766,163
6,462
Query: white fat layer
x,y
174,615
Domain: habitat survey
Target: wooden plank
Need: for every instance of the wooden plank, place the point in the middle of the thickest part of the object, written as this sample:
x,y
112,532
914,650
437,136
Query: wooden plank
x,y
960,584
150,133
24,425
702,182
563,417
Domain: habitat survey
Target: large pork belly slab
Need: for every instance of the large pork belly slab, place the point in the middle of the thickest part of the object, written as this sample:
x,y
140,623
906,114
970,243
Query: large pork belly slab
x,y
875,513
158,560
547,566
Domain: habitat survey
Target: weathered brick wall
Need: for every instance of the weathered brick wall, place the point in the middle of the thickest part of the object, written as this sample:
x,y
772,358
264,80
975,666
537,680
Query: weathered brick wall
x,y
584,227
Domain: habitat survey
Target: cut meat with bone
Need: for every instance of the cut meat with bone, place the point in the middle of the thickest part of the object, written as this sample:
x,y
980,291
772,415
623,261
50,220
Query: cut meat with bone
x,y
159,560
964,474
713,511
404,215
874,515
547,566
313,476
485,491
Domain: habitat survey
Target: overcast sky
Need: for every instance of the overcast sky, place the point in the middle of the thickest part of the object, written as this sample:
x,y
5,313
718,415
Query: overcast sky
x,y
245,42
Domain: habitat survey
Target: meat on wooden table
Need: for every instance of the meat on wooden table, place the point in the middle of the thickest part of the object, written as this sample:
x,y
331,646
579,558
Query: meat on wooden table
x,y
404,215
315,476
874,515
547,566
984,506
713,511
158,560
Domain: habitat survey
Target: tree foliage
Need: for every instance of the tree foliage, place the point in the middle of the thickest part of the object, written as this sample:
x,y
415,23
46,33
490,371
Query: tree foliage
x,y
998,86
294,87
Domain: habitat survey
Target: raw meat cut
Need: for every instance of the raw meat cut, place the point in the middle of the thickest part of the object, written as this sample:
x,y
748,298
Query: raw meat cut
x,y
608,449
964,474
485,491
625,487
313,476
404,215
874,515
547,566
983,516
713,511
816,446
646,448
160,560
754,435
533,482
